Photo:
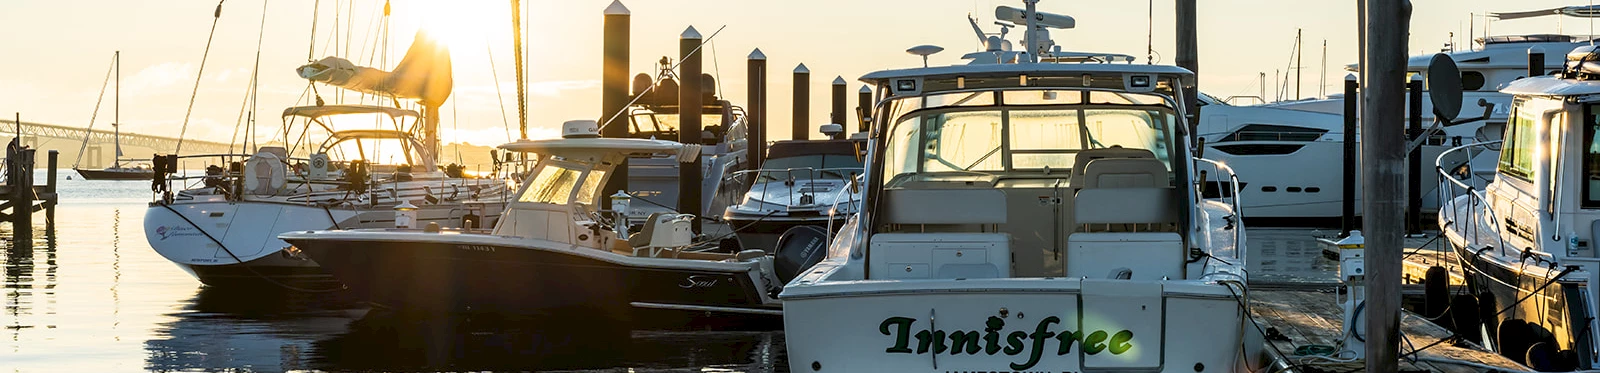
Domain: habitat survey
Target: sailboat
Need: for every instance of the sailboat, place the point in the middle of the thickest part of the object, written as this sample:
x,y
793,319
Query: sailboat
x,y
117,171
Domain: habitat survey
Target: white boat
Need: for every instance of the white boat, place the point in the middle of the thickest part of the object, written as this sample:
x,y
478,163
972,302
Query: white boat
x,y
556,255
375,167
1526,242
224,229
801,183
1029,216
1289,154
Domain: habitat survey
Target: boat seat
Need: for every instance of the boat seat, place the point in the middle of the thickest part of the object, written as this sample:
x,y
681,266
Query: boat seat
x,y
1125,209
935,206
1124,173
940,256
1082,159
662,232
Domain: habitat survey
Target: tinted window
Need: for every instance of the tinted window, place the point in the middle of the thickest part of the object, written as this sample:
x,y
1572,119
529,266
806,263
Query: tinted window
x,y
1258,149
1272,132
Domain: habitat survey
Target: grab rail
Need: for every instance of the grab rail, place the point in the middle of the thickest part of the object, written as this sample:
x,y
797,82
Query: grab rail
x,y
1450,187
789,172
1232,199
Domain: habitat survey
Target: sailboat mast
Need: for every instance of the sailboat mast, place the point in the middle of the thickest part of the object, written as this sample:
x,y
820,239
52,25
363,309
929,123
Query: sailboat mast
x,y
116,110
516,37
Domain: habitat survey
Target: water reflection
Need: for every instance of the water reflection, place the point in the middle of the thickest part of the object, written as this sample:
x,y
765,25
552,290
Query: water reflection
x,y
259,331
25,292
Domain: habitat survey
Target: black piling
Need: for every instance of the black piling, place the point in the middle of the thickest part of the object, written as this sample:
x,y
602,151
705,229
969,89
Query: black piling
x,y
1347,218
837,117
614,88
802,103
1188,57
1414,159
690,105
864,105
756,116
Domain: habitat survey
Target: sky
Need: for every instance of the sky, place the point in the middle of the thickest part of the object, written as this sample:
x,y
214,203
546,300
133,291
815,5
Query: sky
x,y
57,53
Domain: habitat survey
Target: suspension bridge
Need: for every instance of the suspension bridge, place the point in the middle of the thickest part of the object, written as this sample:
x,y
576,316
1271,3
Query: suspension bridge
x,y
31,131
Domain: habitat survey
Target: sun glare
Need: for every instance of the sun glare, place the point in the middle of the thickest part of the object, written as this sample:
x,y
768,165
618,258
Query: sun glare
x,y
461,24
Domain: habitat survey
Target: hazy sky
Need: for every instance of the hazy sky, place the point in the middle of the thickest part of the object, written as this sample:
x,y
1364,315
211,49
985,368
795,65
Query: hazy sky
x,y
57,52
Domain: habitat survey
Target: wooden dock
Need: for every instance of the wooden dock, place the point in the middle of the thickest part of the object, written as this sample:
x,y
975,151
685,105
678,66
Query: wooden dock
x,y
22,197
1311,316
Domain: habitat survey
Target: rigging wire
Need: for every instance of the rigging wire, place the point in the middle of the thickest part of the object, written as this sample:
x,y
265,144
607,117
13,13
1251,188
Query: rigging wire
x,y
255,84
96,113
215,16
311,46
505,121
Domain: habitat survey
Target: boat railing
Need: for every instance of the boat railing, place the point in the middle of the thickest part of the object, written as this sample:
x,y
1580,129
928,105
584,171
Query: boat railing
x,y
810,176
1461,181
1231,198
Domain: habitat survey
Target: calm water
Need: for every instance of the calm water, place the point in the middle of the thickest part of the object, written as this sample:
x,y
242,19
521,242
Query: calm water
x,y
92,297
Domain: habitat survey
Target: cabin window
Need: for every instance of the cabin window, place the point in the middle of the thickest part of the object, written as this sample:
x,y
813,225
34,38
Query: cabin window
x,y
1258,149
591,186
1273,132
553,185
900,159
962,141
1521,140
1043,130
1472,80
1591,158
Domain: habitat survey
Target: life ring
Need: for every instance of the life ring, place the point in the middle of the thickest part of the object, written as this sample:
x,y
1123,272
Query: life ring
x,y
264,174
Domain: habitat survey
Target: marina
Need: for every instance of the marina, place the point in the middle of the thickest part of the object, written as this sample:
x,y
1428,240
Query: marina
x,y
1042,186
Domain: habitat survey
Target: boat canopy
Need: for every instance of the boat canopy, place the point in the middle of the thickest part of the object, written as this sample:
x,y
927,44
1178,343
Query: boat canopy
x,y
423,74
784,149
315,112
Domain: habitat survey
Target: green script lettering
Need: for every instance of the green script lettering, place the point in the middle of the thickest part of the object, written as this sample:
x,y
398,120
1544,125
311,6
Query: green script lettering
x,y
965,342
992,334
935,338
1119,342
1066,339
1014,342
1040,334
1095,342
902,338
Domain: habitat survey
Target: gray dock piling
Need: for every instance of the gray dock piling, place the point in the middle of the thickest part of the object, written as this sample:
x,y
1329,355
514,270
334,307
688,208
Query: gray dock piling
x,y
1347,219
1383,149
614,88
802,103
756,117
1414,159
837,116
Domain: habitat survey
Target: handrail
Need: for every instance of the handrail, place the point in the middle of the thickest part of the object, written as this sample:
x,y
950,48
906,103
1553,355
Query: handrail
x,y
810,171
1448,183
1233,201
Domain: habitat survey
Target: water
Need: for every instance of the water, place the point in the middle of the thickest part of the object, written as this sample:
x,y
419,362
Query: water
x,y
93,297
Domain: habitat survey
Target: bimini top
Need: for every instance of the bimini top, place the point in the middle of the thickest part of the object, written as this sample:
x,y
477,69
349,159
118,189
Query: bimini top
x,y
370,134
327,110
1040,69
1552,86
594,145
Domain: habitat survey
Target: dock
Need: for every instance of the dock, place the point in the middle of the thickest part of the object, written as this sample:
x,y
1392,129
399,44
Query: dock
x,y
22,197
1308,318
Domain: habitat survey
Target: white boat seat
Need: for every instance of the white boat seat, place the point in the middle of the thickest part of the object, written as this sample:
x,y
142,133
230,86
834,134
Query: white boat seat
x,y
1124,173
1143,256
1082,159
935,206
662,233
1125,209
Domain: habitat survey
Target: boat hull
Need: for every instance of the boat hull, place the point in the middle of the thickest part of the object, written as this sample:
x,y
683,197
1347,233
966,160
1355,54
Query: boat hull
x,y
762,233
234,244
495,275
1553,319
110,174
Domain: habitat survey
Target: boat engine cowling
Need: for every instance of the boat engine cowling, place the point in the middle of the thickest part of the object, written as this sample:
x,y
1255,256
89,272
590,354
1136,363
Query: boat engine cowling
x,y
798,249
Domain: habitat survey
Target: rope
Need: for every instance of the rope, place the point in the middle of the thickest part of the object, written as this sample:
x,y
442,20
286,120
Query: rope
x,y
522,90
215,16
96,113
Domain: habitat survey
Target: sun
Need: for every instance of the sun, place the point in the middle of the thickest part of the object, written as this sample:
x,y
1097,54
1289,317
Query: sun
x,y
462,24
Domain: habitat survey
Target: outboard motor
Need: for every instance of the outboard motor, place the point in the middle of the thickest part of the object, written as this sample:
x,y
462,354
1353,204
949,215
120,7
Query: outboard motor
x,y
798,249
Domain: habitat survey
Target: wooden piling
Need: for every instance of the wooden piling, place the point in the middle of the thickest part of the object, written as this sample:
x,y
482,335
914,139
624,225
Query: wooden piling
x,y
802,103
1414,159
756,117
1189,58
837,117
614,89
864,103
1383,150
1347,220
690,106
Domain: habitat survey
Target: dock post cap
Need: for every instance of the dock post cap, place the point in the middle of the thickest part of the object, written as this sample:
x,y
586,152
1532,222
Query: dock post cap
x,y
617,9
1353,241
690,33
838,80
757,55
1415,77
801,69
866,89
1350,77
1535,49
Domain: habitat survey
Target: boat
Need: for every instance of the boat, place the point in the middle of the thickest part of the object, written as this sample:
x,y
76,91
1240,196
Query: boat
x,y
555,254
1289,153
117,171
375,167
801,183
1029,216
1525,243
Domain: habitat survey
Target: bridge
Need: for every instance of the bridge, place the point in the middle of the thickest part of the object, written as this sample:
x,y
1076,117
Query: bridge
x,y
9,128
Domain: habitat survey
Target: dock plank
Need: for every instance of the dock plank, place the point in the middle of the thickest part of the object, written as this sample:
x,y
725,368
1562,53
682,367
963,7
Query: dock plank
x,y
1313,316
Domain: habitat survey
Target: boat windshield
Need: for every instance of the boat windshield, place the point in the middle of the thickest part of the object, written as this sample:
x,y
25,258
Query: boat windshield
x,y
810,166
1023,131
555,183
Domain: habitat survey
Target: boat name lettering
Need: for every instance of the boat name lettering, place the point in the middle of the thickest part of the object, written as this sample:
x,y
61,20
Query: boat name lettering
x,y
698,281
482,248
169,231
993,340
